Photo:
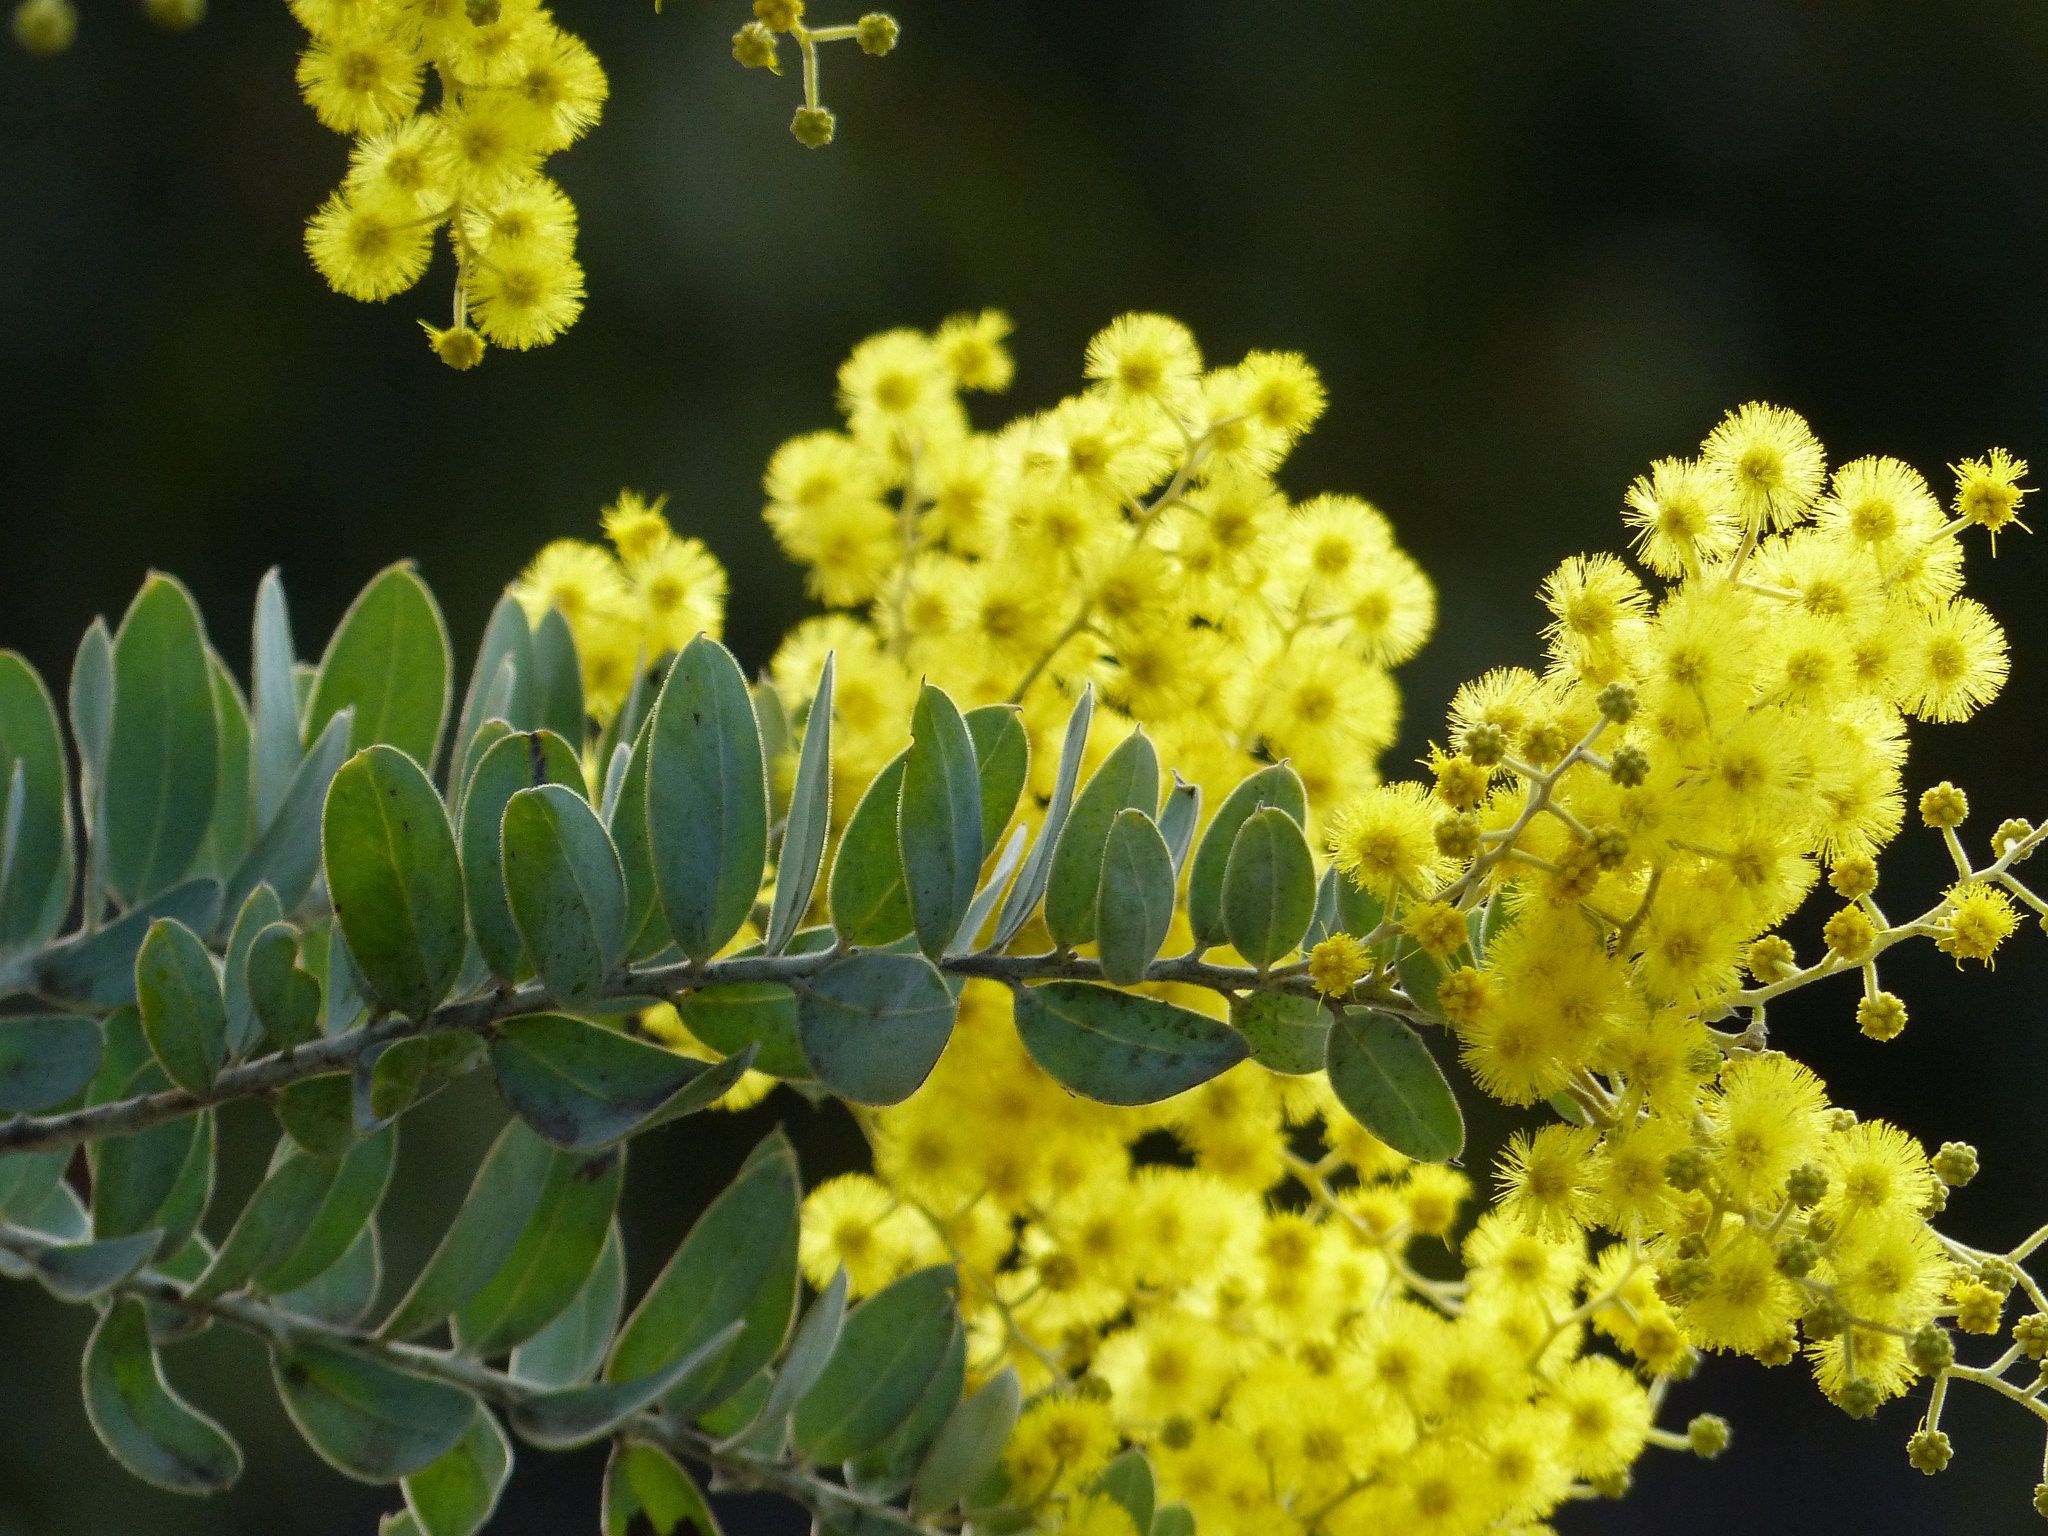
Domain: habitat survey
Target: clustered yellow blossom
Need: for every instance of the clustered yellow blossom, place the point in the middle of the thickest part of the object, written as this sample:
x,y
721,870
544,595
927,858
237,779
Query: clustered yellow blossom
x,y
758,45
509,89
645,597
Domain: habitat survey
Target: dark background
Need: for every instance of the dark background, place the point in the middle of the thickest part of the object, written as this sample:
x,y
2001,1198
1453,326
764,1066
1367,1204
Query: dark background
x,y
1531,247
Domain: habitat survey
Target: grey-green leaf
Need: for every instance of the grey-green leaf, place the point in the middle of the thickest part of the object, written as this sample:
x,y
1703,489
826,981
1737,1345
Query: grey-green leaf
x,y
810,1351
286,853
357,1189
1118,1047
1277,785
500,1202
91,700
258,912
508,640
1385,1076
276,745
366,1419
567,893
163,751
874,1024
145,1426
82,1270
1023,898
345,1293
557,1248
45,1059
580,1085
938,820
1269,887
184,1015
557,677
645,1489
809,822
1127,779
1178,819
1002,756
389,659
395,880
98,967
283,996
36,862
869,901
738,1261
518,761
969,1446
707,799
456,1494
1286,1032
763,1014
227,836
572,1347
1134,906
1128,1480
564,1418
891,1347
273,1222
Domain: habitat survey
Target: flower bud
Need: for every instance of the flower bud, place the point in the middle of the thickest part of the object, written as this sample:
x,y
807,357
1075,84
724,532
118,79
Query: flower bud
x,y
813,126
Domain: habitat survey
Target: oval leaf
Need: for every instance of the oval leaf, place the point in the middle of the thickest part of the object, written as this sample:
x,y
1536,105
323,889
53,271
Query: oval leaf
x,y
144,1425
572,1347
36,860
1269,887
564,1418
455,1495
558,1247
1023,898
1128,779
938,820
891,1347
1278,785
869,900
184,1015
874,1024
762,1014
567,892
45,1059
163,752
1002,759
389,661
580,1085
395,880
809,822
707,799
645,1490
1385,1076
366,1419
520,761
1286,1033
1134,907
1120,1048
969,1446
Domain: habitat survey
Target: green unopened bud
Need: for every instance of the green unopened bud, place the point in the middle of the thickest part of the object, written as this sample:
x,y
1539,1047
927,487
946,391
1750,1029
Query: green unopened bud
x,y
1688,1168
755,47
483,13
1806,1185
1827,1318
1177,1433
1485,743
1457,837
1629,765
1998,1274
1859,1398
2010,831
1931,1349
1708,1435
1685,1279
1797,1256
1617,701
877,32
813,126
1608,846
2031,1334
1955,1164
1929,1451
175,15
45,28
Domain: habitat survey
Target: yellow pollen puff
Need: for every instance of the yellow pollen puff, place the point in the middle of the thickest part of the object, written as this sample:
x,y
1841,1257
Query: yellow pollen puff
x,y
1944,806
1849,934
1338,963
1437,926
1980,917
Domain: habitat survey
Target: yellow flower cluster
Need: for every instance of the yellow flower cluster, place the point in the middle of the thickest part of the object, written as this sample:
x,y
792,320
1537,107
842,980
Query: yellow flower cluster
x,y
512,88
648,595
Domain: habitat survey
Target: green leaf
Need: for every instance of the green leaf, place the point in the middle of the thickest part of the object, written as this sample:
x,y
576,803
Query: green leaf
x,y
938,820
985,899
810,1351
456,1494
1385,1076
738,1261
522,760
628,822
1002,759
507,642
394,879
869,901
1359,910
645,1489
45,1059
732,1017
345,1293
887,1470
1569,1109
563,1418
968,1447
366,1419
1277,785
275,743
570,1349
874,1024
390,1079
81,1271
1178,819
567,894
145,1426
184,1015
557,1248
557,677
1269,887
1173,1520
1023,898
500,1202
283,997
389,660
163,752
1128,1480
890,1349
98,968
258,912
135,1176
580,1085
319,1114
1286,1033
36,861
1134,907
286,854
227,837
1118,1047
91,699
810,820
351,1199
707,799
191,1192
29,1181
273,1223
1127,779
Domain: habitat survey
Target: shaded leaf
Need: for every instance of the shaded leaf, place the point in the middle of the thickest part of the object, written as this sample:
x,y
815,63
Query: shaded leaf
x,y
809,822
580,1085
572,1347
82,1270
1385,1076
1178,819
184,1015
567,893
563,1418
810,1350
969,1446
887,1470
556,1250
357,1189
645,1489
938,820
1024,895
163,750
456,1494
869,901
389,660
1118,1047
227,836
874,1024
891,1347
258,912
1128,779
145,1426
35,786
345,1293
557,677
518,761
763,1014
1277,785
275,744
283,996
1269,887
272,1223
1128,1480
286,854
1134,906
507,642
366,1419
98,968
45,1059
1002,759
